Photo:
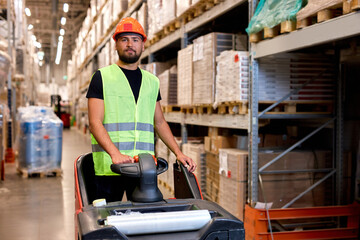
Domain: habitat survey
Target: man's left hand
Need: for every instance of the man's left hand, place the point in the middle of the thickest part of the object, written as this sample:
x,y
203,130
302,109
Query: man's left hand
x,y
187,162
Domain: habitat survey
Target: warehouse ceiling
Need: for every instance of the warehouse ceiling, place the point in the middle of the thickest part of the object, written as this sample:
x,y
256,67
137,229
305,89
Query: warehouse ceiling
x,y
45,18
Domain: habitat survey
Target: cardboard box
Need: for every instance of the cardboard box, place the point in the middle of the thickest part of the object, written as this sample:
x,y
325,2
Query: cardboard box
x,y
222,142
232,196
212,176
233,163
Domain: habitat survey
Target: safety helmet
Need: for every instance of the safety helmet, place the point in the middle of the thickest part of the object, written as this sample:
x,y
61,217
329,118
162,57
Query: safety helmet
x,y
129,25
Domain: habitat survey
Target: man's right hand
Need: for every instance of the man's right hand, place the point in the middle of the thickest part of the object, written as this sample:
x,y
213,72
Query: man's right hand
x,y
121,158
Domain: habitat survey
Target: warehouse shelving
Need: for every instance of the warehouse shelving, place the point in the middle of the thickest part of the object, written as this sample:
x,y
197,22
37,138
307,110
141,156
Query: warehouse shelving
x,y
315,35
206,17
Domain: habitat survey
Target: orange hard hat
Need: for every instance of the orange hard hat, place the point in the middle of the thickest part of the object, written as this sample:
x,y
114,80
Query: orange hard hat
x,y
129,25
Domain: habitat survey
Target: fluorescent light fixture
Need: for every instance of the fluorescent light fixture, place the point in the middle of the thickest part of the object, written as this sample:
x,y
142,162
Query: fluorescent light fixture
x,y
37,44
30,26
27,12
61,38
66,7
40,55
40,63
63,21
62,32
58,53
33,37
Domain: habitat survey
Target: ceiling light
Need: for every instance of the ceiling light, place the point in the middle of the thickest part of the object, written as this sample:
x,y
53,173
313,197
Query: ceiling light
x,y
61,38
58,53
66,7
30,27
40,63
40,55
37,44
27,12
63,21
62,32
33,37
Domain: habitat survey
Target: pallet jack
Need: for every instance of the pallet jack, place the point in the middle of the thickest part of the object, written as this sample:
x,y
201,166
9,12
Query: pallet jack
x,y
148,216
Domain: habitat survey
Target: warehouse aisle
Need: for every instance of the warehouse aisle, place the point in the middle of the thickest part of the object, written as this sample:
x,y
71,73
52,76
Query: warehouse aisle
x,y
42,208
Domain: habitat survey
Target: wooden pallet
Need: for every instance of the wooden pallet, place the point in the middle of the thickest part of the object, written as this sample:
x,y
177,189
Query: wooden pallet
x,y
235,107
192,12
170,108
299,107
267,33
198,109
26,173
166,186
324,15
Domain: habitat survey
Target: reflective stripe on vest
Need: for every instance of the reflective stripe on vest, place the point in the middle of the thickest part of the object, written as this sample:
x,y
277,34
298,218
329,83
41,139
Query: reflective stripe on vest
x,y
129,124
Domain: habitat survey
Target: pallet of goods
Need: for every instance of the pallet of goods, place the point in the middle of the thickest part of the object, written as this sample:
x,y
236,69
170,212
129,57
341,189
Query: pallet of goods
x,y
206,49
232,79
168,86
40,141
271,17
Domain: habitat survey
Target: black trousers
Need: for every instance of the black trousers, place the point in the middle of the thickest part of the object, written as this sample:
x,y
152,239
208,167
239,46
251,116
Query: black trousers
x,y
112,188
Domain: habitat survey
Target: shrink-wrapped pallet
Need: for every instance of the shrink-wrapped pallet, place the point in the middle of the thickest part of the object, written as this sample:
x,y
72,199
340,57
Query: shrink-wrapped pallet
x,y
281,74
168,86
170,13
206,48
182,6
271,13
40,139
185,76
155,17
315,6
232,76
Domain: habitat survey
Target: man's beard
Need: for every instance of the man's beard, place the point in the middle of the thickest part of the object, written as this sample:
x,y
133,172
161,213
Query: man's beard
x,y
129,59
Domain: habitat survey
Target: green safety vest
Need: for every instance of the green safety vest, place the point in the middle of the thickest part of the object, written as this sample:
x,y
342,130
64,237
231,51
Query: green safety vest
x,y
129,125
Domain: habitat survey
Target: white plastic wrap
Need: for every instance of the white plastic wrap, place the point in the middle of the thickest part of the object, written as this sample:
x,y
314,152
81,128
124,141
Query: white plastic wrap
x,y
40,139
147,223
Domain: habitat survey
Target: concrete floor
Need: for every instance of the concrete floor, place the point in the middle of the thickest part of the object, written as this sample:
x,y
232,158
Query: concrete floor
x,y
42,208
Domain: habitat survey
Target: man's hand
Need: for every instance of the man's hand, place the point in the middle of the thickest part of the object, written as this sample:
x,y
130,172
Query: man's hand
x,y
121,158
187,162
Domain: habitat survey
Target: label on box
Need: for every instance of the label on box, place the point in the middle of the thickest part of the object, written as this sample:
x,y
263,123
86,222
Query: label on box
x,y
223,162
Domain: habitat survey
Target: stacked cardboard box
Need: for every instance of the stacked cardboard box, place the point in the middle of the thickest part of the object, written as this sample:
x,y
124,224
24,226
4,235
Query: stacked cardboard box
x,y
170,13
119,6
157,68
185,76
155,17
232,76
142,17
212,176
182,6
168,86
196,152
233,180
278,76
206,48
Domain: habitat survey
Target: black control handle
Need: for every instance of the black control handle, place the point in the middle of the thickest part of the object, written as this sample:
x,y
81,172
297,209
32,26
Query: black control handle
x,y
126,169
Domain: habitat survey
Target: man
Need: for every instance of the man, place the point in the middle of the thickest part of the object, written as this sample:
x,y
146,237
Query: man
x,y
124,108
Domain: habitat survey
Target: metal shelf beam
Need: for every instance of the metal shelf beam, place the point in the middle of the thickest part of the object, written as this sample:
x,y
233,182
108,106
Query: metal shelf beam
x,y
332,30
211,120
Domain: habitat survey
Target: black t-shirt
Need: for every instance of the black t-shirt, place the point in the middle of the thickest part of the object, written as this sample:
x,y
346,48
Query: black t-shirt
x,y
133,76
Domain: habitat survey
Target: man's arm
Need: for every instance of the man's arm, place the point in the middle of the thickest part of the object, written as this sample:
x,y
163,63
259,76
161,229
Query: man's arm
x,y
163,130
96,117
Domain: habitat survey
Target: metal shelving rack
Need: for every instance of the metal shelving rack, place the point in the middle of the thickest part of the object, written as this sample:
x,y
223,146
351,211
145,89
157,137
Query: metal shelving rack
x,y
317,34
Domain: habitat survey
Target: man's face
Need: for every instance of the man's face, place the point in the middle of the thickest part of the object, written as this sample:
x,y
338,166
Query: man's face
x,y
129,48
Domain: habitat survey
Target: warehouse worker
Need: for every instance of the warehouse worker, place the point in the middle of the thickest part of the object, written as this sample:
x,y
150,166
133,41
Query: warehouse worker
x,y
124,108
